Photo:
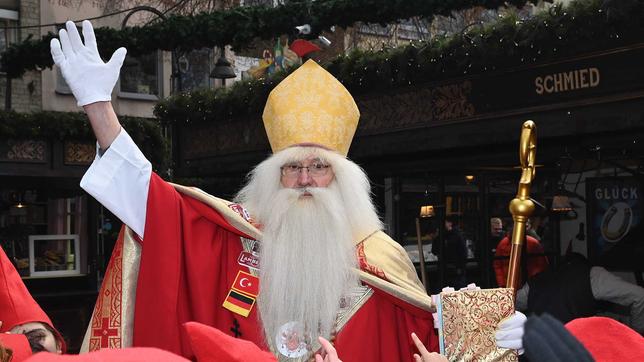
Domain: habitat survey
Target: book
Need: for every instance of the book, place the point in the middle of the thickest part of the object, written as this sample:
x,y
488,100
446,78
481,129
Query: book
x,y
467,323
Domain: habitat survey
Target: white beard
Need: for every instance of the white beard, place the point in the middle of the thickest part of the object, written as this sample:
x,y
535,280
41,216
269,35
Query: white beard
x,y
307,261
307,252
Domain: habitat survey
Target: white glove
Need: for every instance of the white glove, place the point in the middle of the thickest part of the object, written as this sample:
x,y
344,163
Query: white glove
x,y
90,79
509,333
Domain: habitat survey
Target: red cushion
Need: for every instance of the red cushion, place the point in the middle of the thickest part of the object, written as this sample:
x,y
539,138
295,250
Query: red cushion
x,y
18,345
139,354
608,340
211,344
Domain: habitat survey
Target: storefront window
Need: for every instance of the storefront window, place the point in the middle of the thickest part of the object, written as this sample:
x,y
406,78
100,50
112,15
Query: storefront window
x,y
468,220
462,239
7,33
140,76
43,236
418,205
194,70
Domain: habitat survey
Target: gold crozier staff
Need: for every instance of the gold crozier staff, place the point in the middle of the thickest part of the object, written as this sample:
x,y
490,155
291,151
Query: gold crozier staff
x,y
521,207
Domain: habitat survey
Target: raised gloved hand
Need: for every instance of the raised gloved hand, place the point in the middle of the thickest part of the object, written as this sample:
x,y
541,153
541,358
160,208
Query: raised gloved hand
x,y
90,79
509,333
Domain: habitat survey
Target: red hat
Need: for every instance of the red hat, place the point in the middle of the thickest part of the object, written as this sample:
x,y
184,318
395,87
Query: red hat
x,y
607,340
18,344
138,354
210,344
17,306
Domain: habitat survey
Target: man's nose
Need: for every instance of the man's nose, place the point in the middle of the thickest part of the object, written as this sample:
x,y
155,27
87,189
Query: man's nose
x,y
303,178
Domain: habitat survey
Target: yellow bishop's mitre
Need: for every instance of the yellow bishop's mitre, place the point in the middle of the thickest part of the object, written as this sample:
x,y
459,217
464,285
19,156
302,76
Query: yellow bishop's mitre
x,y
310,108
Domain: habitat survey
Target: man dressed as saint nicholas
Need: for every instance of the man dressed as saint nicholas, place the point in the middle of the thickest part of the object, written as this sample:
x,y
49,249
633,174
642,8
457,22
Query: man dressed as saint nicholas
x,y
300,253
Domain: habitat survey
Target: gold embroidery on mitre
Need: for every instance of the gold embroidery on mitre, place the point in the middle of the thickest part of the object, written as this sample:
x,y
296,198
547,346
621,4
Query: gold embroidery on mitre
x,y
310,106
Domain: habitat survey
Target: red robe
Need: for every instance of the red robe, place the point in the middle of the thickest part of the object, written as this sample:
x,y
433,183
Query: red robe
x,y
189,263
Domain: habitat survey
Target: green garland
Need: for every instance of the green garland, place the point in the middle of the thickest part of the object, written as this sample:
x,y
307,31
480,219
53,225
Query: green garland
x,y
240,26
70,125
582,26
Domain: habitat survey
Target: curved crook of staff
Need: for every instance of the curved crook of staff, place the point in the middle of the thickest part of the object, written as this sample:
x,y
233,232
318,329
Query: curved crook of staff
x,y
521,207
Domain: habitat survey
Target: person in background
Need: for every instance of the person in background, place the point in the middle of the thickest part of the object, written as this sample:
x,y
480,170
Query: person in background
x,y
530,231
453,252
496,230
536,261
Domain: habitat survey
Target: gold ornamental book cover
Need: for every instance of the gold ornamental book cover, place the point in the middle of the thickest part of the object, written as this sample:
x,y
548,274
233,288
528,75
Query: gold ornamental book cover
x,y
468,320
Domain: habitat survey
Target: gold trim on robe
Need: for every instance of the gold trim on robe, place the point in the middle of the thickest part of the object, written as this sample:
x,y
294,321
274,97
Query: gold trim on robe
x,y
112,321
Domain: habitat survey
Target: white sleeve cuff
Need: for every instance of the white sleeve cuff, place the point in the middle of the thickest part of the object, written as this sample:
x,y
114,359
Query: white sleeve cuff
x,y
119,180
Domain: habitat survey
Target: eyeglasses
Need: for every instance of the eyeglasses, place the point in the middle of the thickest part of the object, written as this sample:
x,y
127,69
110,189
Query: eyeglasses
x,y
315,169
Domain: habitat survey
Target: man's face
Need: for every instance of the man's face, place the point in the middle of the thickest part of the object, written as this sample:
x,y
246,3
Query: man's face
x,y
496,227
312,172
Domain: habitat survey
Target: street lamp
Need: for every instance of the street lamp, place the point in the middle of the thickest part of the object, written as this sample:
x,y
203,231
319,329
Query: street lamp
x,y
427,211
223,69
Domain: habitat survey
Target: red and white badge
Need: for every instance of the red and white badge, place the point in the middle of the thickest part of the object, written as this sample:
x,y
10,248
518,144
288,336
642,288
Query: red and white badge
x,y
248,259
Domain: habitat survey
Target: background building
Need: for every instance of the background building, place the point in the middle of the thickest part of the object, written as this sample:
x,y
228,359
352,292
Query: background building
x,y
59,237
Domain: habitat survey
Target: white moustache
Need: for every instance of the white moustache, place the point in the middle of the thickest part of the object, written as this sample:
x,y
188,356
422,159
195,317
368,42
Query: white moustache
x,y
298,193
